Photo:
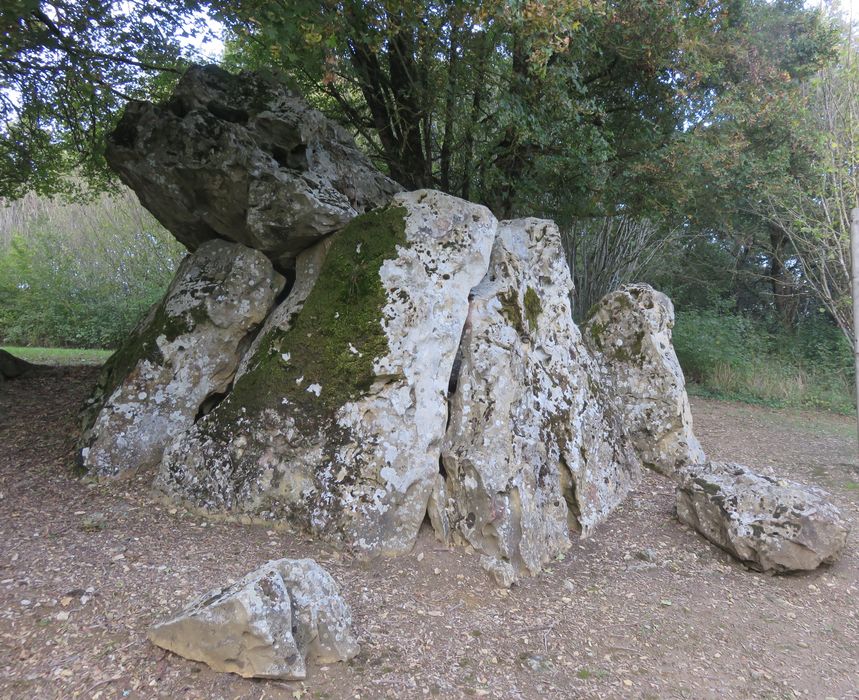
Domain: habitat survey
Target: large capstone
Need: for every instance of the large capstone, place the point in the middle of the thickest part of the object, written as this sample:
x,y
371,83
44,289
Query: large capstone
x,y
629,331
267,625
337,421
531,448
769,524
181,356
239,157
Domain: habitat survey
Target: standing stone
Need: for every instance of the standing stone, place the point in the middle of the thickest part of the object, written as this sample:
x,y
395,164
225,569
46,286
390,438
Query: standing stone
x,y
769,524
241,158
529,449
629,331
182,354
338,420
267,625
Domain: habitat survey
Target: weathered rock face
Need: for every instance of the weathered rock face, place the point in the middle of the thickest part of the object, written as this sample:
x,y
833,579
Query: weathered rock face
x,y
529,447
770,524
338,419
629,332
183,353
240,158
267,625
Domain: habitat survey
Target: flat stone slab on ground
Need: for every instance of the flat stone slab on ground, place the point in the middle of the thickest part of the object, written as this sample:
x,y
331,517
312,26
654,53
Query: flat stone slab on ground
x,y
770,524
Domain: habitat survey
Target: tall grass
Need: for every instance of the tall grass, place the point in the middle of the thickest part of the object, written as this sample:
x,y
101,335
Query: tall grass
x,y
738,357
80,274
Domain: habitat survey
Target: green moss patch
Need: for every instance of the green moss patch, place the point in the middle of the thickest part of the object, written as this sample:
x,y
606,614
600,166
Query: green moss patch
x,y
533,307
511,310
338,334
141,344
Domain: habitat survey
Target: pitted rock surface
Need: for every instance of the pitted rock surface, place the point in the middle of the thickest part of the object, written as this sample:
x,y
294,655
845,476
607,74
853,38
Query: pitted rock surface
x,y
338,419
241,158
769,524
530,449
629,332
267,625
184,352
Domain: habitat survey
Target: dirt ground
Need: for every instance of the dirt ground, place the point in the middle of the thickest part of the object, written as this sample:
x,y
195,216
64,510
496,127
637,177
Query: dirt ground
x,y
644,608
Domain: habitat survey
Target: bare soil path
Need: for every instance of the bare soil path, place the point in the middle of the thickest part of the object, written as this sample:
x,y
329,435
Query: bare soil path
x,y
644,608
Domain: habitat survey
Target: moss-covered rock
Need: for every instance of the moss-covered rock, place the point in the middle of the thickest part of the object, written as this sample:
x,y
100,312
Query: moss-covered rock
x,y
185,350
336,418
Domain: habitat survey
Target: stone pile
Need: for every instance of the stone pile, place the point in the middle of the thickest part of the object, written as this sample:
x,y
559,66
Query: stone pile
x,y
354,359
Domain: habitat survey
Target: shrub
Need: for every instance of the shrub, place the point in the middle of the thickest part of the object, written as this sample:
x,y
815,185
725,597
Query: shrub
x,y
740,357
80,275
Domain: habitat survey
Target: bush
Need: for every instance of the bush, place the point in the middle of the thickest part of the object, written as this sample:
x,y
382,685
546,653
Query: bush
x,y
80,275
739,357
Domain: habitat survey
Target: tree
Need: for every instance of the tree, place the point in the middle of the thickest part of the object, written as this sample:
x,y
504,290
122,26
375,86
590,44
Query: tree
x,y
814,212
66,69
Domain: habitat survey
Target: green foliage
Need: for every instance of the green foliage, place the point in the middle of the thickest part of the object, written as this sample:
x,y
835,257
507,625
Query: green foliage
x,y
78,275
59,356
737,357
66,69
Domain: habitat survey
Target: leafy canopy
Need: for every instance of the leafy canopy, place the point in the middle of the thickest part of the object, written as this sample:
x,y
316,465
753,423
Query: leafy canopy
x,y
66,69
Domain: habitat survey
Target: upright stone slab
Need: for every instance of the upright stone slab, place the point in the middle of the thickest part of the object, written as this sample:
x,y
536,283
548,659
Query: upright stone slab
x,y
629,331
184,352
529,450
239,157
337,422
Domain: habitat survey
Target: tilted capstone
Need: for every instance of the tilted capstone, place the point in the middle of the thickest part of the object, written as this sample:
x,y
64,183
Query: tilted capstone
x,y
240,157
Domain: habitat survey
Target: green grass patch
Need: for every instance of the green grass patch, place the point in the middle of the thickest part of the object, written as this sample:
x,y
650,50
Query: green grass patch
x,y
738,358
60,356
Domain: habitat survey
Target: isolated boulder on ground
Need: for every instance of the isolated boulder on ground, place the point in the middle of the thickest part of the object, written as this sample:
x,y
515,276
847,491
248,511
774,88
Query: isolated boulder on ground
x,y
182,355
338,420
767,523
267,625
530,449
629,331
241,158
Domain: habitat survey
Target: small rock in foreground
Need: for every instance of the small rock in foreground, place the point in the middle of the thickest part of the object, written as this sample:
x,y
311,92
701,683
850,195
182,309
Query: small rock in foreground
x,y
267,625
769,524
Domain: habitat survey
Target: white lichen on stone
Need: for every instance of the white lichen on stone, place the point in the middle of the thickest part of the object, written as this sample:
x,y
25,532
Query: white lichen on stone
x,y
629,331
219,295
528,438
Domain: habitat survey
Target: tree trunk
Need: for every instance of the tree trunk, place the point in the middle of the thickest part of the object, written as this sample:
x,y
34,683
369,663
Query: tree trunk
x,y
785,299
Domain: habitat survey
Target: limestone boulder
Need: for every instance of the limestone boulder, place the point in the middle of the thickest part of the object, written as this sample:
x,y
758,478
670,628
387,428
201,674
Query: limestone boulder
x,y
183,354
629,332
267,625
337,420
767,523
239,157
531,448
